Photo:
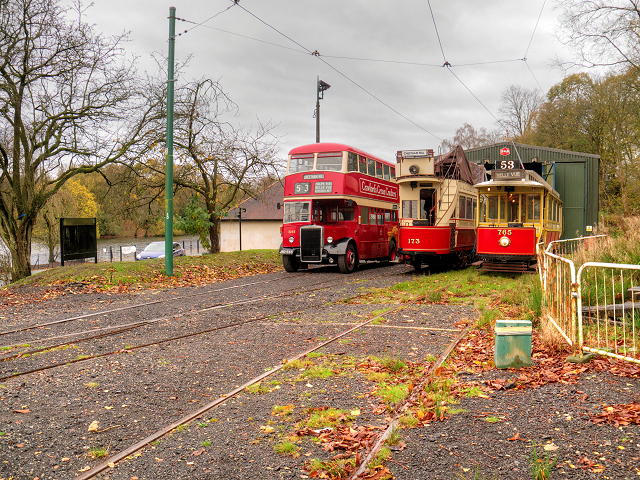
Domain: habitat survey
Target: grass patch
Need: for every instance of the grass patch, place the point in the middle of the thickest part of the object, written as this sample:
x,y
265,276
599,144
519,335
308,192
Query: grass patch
x,y
328,417
492,419
393,394
408,421
282,410
394,438
257,389
206,443
151,273
81,357
334,468
378,377
297,364
313,355
286,448
317,371
98,452
541,466
91,384
393,364
383,455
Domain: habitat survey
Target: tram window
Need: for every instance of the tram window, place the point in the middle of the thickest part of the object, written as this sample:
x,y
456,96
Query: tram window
x,y
301,163
493,208
410,209
352,162
329,161
474,206
392,172
503,207
462,208
362,165
513,207
371,167
385,169
345,214
364,215
469,208
296,212
378,169
533,206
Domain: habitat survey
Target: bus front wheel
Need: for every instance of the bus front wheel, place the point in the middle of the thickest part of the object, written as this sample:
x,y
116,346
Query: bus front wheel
x,y
349,261
290,263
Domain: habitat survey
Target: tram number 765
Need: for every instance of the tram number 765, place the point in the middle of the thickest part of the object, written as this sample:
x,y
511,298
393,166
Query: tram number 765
x,y
504,232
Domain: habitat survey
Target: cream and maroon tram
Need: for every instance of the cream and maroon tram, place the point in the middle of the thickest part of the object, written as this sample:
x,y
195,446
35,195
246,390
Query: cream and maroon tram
x,y
438,207
340,206
517,209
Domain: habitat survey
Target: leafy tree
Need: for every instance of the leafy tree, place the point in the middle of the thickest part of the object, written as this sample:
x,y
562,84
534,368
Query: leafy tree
x,y
63,89
212,157
195,221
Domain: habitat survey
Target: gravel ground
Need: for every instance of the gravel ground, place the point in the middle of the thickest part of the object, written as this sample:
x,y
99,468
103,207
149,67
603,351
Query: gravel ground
x,y
45,416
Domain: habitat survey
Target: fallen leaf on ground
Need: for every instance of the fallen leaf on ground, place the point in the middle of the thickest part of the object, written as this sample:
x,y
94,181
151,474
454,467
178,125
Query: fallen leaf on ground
x,y
550,447
23,411
94,426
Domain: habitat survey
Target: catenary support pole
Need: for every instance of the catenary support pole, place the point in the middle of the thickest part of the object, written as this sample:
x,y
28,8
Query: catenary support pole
x,y
168,187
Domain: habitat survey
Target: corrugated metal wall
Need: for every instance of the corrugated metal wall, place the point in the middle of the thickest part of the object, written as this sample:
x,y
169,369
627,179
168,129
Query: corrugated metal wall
x,y
574,176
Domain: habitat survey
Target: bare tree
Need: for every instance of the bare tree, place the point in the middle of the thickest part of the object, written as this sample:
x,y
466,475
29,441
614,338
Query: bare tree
x,y
212,157
518,109
603,32
469,137
70,103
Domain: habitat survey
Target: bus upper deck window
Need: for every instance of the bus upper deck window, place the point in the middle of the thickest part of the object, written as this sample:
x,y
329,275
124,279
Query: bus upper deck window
x,y
385,169
329,161
352,162
363,165
371,167
301,163
378,169
392,172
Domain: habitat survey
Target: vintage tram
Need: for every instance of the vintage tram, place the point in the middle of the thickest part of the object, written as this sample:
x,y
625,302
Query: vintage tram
x,y
517,209
438,207
340,206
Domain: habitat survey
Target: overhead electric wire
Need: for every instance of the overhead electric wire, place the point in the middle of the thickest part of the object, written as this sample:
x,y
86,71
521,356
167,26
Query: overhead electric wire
x,y
534,29
316,54
474,96
534,77
437,34
204,21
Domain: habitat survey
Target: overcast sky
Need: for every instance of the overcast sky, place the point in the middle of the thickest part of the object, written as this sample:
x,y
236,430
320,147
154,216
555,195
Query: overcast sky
x,y
277,84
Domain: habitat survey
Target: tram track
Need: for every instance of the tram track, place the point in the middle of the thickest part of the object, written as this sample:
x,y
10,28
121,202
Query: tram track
x,y
114,459
134,325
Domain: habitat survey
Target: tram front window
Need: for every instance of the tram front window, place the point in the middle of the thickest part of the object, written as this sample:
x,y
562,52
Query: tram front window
x,y
492,211
428,205
513,207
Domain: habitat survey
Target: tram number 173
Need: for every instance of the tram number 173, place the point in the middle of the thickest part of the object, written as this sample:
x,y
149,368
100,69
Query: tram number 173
x,y
504,232
413,240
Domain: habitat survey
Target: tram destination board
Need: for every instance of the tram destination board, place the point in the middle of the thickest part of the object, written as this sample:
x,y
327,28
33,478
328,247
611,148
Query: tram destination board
x,y
508,174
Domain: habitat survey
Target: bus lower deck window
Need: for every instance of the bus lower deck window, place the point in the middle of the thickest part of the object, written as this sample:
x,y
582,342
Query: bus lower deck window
x,y
364,215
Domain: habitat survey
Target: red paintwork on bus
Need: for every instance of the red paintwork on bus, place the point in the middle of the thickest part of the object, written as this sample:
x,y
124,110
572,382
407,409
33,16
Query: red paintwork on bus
x,y
523,241
372,241
352,184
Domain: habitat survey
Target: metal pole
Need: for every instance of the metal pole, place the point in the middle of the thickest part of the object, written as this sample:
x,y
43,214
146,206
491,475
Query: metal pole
x,y
318,110
168,186
240,227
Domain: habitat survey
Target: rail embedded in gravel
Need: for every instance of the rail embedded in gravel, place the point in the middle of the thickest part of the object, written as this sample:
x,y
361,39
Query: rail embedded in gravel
x,y
197,413
131,326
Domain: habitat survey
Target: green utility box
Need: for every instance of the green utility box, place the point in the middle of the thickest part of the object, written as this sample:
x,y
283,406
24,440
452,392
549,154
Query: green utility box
x,y
513,344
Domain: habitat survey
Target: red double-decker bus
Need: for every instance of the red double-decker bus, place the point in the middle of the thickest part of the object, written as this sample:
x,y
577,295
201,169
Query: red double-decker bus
x,y
340,206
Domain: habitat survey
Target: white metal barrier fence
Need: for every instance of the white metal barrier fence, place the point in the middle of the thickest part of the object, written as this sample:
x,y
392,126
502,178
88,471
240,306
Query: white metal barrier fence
x,y
596,310
609,309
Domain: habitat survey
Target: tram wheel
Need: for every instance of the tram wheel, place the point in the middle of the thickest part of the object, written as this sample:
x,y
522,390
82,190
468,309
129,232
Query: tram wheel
x,y
348,262
290,263
393,252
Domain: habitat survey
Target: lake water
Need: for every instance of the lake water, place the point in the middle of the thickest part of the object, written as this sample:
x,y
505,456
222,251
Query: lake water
x,y
109,248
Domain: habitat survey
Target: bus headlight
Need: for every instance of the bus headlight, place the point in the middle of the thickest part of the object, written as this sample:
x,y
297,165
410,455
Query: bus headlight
x,y
329,239
291,239
504,241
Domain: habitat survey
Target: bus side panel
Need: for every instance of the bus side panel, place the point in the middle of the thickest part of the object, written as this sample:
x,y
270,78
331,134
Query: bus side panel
x,y
466,238
523,241
425,239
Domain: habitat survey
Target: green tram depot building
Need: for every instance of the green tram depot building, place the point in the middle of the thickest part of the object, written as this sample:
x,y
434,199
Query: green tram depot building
x,y
573,175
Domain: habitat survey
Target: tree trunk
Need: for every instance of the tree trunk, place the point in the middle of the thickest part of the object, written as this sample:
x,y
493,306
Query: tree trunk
x,y
214,235
51,243
21,253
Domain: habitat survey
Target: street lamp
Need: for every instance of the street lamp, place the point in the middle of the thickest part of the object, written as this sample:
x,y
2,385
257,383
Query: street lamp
x,y
240,210
321,87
